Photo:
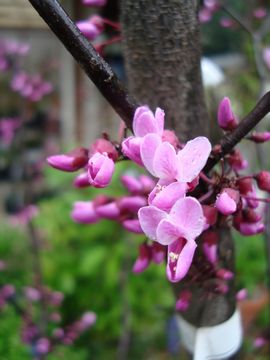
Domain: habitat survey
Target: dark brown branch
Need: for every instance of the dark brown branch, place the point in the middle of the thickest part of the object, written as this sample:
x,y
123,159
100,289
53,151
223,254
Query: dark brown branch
x,y
228,142
83,52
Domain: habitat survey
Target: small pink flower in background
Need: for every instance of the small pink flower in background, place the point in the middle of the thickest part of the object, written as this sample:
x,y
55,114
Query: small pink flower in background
x,y
226,118
260,342
260,12
132,225
92,27
249,229
100,170
84,212
224,274
32,294
241,295
205,15
227,201
43,346
266,56
143,259
109,211
210,241
72,161
8,127
97,3
183,301
88,319
24,216
226,22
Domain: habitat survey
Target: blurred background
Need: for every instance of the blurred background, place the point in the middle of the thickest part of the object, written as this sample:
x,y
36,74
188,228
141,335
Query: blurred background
x,y
59,277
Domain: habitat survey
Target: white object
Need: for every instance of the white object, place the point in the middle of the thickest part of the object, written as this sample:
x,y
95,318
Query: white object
x,y
215,342
212,74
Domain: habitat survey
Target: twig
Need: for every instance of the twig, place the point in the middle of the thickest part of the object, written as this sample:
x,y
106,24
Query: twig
x,y
228,142
92,63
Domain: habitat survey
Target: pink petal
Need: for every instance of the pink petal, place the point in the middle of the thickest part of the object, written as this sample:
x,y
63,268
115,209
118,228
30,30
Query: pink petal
x,y
167,232
180,256
150,217
192,158
225,204
148,148
100,170
108,211
187,213
132,203
164,197
165,161
159,116
132,225
145,122
131,148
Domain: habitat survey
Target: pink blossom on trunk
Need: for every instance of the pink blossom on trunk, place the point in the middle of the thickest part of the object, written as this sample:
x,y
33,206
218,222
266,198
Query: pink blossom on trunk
x,y
226,118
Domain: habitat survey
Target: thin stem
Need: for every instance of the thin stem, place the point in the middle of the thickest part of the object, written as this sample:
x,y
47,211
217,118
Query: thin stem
x,y
237,18
229,141
92,63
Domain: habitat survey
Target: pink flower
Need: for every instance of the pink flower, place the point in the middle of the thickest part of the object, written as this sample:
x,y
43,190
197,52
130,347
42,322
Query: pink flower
x,y
43,346
227,201
162,161
236,161
88,319
260,12
226,22
81,180
132,225
226,118
178,230
84,213
109,211
266,56
205,15
97,3
241,295
100,170
144,122
72,161
92,27
251,228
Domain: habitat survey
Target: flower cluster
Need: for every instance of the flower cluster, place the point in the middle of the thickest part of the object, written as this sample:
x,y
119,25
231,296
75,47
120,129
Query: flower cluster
x,y
28,303
8,127
32,87
179,203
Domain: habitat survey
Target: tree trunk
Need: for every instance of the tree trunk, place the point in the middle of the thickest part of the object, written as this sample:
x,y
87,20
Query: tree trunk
x,y
162,52
162,57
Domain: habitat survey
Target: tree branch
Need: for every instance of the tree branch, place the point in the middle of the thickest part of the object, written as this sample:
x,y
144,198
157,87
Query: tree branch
x,y
96,68
228,142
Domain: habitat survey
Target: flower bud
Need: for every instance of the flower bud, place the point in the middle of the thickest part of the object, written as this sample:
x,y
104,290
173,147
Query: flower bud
x,y
227,201
241,295
109,211
88,319
224,274
248,229
263,180
105,147
236,161
84,213
143,259
100,170
81,180
43,346
72,161
132,225
158,252
260,137
226,117
92,27
132,203
132,184
260,12
182,304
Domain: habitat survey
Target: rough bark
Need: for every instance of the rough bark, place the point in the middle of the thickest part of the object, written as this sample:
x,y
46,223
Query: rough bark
x,y
162,56
162,53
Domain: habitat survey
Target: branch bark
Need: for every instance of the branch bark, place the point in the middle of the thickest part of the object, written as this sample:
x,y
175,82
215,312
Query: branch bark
x,y
96,68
